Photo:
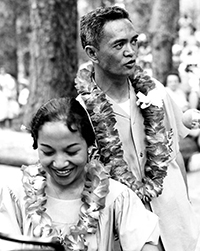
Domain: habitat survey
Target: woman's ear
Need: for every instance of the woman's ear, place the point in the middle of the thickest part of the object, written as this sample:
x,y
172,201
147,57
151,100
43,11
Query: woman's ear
x,y
91,52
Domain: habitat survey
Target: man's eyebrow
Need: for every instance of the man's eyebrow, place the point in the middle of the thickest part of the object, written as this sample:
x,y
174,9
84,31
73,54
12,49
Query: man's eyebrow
x,y
119,40
124,39
135,37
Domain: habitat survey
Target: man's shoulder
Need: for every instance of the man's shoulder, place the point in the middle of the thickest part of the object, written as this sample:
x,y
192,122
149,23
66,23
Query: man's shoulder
x,y
161,88
116,188
158,84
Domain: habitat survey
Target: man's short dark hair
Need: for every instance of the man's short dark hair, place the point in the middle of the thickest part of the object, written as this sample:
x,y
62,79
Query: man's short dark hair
x,y
91,24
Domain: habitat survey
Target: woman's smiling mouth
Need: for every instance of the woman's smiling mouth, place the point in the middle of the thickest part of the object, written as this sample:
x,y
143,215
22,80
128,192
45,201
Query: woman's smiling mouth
x,y
63,173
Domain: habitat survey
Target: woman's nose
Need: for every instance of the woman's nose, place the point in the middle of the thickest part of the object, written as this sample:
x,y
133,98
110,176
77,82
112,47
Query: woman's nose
x,y
60,162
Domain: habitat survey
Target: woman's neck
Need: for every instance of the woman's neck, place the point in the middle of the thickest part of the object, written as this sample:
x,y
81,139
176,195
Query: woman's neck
x,y
70,192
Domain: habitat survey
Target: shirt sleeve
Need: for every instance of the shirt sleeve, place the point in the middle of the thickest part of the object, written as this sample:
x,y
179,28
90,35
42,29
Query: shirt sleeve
x,y
172,120
173,113
10,212
135,225
10,216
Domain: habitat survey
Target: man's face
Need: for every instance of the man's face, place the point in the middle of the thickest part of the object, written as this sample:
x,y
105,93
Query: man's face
x,y
118,48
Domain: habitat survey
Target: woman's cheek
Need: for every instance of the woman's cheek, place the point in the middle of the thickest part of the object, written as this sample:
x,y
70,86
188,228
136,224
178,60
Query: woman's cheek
x,y
44,160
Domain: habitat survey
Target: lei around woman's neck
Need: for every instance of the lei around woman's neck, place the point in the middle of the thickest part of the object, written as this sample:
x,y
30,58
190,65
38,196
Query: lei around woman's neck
x,y
93,196
158,141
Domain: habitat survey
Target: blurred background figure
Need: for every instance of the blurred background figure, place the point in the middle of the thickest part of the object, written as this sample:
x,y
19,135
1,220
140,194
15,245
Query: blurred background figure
x,y
190,146
23,92
144,54
173,87
9,93
3,105
186,28
193,72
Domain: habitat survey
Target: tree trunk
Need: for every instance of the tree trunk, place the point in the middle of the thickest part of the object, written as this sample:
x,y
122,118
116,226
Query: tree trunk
x,y
163,30
140,13
53,50
8,37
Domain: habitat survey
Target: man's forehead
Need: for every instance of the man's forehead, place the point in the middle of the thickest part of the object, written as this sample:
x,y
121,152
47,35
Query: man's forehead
x,y
119,28
118,24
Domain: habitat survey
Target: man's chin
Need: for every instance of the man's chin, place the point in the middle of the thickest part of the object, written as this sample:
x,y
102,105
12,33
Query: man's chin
x,y
130,71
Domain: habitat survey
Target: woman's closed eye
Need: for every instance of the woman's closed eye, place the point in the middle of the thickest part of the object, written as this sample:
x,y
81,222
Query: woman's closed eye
x,y
72,152
48,153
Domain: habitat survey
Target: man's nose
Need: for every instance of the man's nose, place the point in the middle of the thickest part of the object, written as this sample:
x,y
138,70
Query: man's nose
x,y
129,50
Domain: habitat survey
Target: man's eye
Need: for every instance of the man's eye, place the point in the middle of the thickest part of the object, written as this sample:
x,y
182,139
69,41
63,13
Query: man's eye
x,y
119,46
134,42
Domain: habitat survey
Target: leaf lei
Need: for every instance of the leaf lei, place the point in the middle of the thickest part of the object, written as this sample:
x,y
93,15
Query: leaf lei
x,y
93,196
158,140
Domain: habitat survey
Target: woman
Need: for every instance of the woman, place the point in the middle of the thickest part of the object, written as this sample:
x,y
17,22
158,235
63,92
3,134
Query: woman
x,y
69,197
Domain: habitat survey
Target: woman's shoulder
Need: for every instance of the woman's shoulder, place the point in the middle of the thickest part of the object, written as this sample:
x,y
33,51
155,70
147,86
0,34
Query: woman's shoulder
x,y
11,177
15,180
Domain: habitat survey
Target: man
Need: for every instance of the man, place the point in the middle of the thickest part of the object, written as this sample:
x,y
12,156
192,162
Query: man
x,y
136,123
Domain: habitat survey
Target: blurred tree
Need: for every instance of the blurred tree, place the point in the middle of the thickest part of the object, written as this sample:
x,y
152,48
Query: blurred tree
x,y
14,28
53,50
23,34
163,30
8,36
140,12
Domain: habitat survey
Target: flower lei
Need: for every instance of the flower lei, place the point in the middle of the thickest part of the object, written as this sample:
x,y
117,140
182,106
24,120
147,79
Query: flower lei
x,y
158,141
93,197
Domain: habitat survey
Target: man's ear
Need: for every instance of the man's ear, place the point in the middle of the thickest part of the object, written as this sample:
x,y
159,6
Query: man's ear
x,y
91,52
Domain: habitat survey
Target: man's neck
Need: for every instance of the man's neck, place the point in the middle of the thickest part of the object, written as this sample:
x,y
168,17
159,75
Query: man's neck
x,y
116,88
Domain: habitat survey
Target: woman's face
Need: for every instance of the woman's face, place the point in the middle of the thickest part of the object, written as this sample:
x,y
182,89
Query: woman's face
x,y
62,153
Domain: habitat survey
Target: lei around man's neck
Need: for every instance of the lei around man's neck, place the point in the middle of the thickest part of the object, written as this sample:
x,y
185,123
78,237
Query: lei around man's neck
x,y
158,140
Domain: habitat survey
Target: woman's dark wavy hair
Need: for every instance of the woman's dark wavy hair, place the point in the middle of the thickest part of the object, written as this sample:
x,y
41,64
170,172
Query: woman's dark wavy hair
x,y
91,24
67,110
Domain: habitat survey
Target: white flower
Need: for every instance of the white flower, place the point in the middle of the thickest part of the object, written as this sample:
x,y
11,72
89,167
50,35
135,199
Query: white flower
x,y
153,97
39,184
30,170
